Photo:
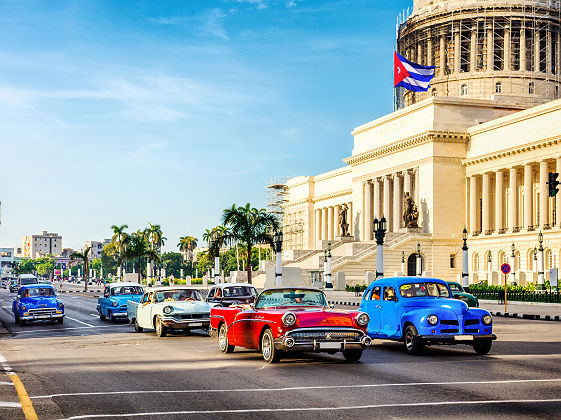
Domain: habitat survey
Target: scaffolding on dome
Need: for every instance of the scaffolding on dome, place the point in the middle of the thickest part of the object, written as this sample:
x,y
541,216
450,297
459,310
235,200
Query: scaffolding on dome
x,y
292,227
483,49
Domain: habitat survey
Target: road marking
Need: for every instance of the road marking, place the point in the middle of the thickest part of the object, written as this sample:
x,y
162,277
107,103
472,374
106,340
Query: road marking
x,y
6,404
353,407
94,315
71,328
300,388
81,322
25,401
5,383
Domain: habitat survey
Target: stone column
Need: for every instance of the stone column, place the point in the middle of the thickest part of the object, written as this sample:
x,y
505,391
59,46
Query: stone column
x,y
544,194
499,194
368,212
377,201
513,199
473,204
336,227
490,49
429,51
536,52
473,48
457,55
387,200
485,198
528,196
330,223
506,49
558,197
407,183
548,51
419,53
324,224
523,47
442,55
396,203
318,227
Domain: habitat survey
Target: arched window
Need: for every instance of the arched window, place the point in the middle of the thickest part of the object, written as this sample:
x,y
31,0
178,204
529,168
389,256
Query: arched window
x,y
464,90
548,259
486,262
531,88
501,259
530,263
498,87
412,264
475,263
434,92
557,91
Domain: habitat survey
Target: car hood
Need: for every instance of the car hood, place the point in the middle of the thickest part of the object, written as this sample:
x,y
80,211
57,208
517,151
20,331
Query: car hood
x,y
123,299
320,317
47,301
189,306
455,305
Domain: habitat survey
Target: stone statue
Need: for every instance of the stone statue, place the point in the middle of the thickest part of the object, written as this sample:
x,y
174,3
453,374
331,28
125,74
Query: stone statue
x,y
410,212
343,220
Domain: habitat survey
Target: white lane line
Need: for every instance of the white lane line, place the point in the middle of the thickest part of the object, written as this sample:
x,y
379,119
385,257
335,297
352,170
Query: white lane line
x,y
6,383
300,388
6,404
81,322
94,315
70,328
295,409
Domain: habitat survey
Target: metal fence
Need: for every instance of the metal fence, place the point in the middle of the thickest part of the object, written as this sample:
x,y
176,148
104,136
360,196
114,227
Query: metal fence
x,y
540,296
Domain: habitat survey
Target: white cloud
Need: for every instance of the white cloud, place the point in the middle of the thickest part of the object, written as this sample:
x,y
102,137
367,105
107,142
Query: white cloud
x,y
213,24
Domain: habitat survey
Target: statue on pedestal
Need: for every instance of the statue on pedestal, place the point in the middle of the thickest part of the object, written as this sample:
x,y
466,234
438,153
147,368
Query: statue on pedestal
x,y
343,220
410,212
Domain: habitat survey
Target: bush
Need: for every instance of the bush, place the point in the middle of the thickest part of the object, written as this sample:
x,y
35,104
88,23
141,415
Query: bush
x,y
350,288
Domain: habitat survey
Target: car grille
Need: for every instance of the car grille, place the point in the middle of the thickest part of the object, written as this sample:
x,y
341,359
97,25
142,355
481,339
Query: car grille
x,y
449,330
42,311
325,336
449,322
195,316
471,322
471,330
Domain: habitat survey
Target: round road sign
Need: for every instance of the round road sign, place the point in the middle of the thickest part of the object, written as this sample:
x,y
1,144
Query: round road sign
x,y
505,268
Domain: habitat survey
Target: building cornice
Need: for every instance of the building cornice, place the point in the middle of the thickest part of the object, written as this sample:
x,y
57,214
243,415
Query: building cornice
x,y
298,203
333,195
430,136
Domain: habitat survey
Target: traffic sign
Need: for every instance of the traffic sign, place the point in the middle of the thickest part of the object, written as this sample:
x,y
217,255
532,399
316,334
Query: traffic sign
x,y
505,268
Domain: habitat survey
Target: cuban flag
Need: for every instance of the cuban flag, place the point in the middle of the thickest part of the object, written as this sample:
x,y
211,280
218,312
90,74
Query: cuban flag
x,y
410,75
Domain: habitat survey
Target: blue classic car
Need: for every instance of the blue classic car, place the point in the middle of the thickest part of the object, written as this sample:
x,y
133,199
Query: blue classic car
x,y
113,303
37,302
421,311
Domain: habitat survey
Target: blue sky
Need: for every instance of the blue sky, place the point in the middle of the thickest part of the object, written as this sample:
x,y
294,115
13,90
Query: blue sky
x,y
167,112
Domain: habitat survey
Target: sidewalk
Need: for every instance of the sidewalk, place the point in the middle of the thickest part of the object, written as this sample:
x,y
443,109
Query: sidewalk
x,y
523,310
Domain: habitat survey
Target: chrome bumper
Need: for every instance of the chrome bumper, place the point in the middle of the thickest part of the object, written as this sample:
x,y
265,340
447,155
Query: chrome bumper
x,y
39,317
173,323
323,340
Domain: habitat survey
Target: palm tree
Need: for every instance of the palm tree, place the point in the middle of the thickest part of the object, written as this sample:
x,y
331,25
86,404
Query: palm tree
x,y
156,239
84,256
249,226
187,245
118,240
138,247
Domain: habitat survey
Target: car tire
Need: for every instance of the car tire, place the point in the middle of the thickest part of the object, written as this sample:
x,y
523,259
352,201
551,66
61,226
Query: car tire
x,y
21,322
225,346
411,340
352,355
270,354
482,346
137,327
60,320
101,316
161,330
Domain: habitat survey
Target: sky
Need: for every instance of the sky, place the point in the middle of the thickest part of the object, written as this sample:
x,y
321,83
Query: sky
x,y
129,112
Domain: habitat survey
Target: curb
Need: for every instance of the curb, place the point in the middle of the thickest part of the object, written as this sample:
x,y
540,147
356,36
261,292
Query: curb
x,y
78,291
343,303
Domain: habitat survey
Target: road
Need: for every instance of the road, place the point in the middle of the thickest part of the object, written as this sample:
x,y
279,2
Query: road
x,y
87,368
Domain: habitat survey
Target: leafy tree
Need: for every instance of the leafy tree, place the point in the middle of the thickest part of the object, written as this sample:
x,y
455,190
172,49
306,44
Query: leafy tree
x,y
84,257
118,240
108,259
45,266
173,261
248,226
26,266
136,248
187,244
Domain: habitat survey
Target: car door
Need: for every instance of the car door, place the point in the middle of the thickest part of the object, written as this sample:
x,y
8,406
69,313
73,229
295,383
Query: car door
x,y
243,328
210,296
144,312
371,305
103,301
389,312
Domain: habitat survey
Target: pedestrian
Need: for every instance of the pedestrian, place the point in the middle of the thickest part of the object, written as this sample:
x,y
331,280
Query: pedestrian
x,y
357,290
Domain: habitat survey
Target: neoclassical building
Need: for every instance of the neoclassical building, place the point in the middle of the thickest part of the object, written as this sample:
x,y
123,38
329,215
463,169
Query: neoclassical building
x,y
478,160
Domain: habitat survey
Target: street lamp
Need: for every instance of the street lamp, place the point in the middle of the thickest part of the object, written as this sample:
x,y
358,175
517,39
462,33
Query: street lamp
x,y
419,262
328,282
512,263
403,263
380,228
541,263
278,267
465,264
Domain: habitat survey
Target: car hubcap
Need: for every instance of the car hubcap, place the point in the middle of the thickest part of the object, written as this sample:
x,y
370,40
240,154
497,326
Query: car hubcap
x,y
222,338
266,346
409,340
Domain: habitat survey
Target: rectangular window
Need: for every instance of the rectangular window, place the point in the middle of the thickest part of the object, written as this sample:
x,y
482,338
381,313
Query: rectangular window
x,y
375,293
452,260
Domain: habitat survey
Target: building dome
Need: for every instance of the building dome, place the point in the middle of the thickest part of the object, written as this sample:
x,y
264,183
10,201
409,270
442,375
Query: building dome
x,y
506,50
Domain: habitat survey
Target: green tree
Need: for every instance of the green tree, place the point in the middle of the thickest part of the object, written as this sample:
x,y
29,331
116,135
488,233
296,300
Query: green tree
x,y
45,266
26,266
173,261
249,226
108,259
118,240
83,257
187,244
136,248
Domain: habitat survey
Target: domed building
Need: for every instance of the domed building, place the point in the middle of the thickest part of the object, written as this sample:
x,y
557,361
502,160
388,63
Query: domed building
x,y
474,151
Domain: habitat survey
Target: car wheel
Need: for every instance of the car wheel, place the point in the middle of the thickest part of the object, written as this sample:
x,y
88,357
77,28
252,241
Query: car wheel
x,y
412,341
60,320
482,346
111,318
137,327
161,329
352,355
270,354
101,316
21,322
225,346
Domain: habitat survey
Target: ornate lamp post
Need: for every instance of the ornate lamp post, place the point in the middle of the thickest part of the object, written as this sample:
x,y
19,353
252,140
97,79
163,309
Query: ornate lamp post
x,y
489,268
541,263
403,263
419,261
328,282
465,266
512,263
380,228
535,268
278,267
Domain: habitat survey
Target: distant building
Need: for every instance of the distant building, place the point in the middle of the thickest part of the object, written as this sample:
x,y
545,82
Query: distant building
x,y
96,247
6,260
35,246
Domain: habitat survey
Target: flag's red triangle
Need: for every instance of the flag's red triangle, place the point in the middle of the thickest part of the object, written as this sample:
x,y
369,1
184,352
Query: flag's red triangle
x,y
399,70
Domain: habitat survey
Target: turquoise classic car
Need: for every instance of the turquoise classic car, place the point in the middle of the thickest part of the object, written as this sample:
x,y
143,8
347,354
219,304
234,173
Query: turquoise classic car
x,y
113,304
421,311
459,293
37,302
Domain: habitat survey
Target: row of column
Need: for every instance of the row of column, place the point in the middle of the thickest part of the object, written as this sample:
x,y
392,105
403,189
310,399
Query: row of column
x,y
327,226
383,197
535,215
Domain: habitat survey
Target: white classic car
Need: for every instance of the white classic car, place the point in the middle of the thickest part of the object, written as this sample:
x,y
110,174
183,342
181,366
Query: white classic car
x,y
169,308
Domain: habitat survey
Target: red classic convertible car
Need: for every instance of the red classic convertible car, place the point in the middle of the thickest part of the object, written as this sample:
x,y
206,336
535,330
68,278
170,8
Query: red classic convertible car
x,y
290,319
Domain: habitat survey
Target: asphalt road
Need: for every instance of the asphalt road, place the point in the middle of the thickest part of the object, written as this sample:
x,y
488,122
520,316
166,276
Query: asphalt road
x,y
86,368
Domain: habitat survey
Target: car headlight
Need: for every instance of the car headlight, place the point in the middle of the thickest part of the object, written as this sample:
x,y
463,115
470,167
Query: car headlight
x,y
289,319
167,310
432,319
23,307
115,303
487,319
60,305
362,318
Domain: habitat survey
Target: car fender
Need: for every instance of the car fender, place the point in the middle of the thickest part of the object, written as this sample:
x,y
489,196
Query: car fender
x,y
417,317
478,312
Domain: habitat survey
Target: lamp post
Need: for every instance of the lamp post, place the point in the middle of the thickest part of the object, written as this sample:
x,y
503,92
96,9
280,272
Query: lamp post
x,y
278,266
403,273
541,263
380,228
217,269
489,269
535,267
512,264
419,261
328,282
465,266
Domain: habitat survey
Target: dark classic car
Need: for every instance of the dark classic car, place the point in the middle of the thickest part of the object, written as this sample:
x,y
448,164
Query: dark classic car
x,y
37,302
459,293
227,294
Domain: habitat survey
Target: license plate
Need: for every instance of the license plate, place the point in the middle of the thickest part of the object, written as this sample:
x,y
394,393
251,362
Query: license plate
x,y
330,346
196,324
463,337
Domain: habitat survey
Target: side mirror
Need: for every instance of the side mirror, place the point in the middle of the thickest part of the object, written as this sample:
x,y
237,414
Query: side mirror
x,y
252,305
332,306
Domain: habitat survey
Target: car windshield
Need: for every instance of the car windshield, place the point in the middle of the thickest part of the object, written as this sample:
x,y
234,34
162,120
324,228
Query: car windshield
x,y
234,291
290,297
38,291
424,289
176,295
28,281
455,287
126,290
